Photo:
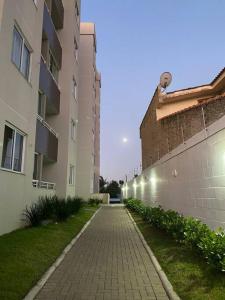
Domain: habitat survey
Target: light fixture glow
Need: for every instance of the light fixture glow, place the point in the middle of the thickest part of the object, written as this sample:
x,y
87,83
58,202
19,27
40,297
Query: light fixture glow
x,y
142,183
125,140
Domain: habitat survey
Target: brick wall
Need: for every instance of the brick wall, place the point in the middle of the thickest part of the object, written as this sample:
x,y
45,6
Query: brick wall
x,y
160,137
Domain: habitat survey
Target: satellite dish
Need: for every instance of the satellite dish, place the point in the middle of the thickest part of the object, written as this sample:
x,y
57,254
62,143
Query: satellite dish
x,y
165,80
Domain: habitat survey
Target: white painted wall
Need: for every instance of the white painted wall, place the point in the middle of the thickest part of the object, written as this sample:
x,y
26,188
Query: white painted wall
x,y
190,179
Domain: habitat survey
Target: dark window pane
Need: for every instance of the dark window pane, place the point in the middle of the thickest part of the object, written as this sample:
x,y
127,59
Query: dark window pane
x,y
25,66
8,148
41,105
17,48
18,154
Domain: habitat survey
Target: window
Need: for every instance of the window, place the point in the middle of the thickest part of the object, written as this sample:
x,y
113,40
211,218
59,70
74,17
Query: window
x,y
72,175
37,166
75,49
74,91
77,13
12,156
53,66
20,53
73,130
41,105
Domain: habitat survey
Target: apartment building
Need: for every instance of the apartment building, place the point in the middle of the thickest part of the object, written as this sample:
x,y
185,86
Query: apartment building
x,y
39,104
88,161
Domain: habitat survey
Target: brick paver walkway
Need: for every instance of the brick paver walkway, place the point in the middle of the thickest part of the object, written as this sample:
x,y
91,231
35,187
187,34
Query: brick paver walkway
x,y
108,261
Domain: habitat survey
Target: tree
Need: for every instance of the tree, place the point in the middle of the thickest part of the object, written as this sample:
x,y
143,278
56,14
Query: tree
x,y
121,182
102,184
113,189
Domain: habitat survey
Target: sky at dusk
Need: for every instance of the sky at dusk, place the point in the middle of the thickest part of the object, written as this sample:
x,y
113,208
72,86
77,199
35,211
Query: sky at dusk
x,y
136,42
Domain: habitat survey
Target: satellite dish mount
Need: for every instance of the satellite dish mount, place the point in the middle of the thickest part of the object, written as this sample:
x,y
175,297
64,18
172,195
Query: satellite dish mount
x,y
165,81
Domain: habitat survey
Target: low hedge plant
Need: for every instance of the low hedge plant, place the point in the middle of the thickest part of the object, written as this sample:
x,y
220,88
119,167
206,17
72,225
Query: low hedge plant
x,y
188,230
51,209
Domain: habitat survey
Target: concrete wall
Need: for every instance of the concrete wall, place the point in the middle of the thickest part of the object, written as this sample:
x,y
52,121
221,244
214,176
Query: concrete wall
x,y
190,179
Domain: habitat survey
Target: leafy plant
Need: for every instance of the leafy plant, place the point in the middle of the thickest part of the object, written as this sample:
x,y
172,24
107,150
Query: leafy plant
x,y
94,202
187,230
32,216
51,208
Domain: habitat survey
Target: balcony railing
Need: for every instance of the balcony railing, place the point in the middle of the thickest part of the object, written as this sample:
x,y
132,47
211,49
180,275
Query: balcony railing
x,y
57,13
50,88
50,33
47,126
43,185
46,140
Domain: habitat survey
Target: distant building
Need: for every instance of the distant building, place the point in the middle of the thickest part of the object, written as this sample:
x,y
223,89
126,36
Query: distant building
x,y
88,162
173,118
40,105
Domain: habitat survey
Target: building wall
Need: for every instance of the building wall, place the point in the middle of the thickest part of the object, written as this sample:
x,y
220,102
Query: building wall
x,y
159,137
1,11
67,147
18,102
191,178
97,133
85,176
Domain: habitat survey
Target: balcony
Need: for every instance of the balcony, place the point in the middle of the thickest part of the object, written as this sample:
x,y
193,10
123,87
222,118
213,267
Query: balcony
x,y
46,140
49,33
43,185
57,13
49,87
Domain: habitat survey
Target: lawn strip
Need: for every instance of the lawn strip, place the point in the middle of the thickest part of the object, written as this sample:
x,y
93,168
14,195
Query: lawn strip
x,y
26,254
189,274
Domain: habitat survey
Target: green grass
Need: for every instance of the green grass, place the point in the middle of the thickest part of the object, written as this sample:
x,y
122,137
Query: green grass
x,y
26,254
189,274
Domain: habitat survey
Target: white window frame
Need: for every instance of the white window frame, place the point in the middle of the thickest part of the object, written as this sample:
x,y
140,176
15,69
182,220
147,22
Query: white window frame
x,y
24,43
72,175
16,130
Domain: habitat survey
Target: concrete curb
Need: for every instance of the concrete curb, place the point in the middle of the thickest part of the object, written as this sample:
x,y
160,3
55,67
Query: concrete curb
x,y
36,289
166,284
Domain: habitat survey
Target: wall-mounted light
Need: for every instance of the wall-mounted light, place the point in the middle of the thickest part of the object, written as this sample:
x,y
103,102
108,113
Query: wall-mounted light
x,y
152,180
174,173
142,182
135,185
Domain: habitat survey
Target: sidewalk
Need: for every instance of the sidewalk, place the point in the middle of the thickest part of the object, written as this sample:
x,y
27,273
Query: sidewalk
x,y
108,261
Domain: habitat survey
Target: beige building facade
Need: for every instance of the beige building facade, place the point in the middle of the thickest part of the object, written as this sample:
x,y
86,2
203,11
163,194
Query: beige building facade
x,y
88,161
39,104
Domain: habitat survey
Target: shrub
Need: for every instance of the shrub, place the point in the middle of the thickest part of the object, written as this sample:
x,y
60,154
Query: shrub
x,y
188,230
32,216
74,204
51,208
93,201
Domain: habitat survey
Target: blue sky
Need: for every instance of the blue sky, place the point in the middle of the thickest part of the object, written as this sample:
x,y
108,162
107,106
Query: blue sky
x,y
136,42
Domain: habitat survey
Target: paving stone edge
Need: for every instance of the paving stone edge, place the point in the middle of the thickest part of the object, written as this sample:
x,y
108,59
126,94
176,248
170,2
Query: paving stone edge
x,y
39,285
165,281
